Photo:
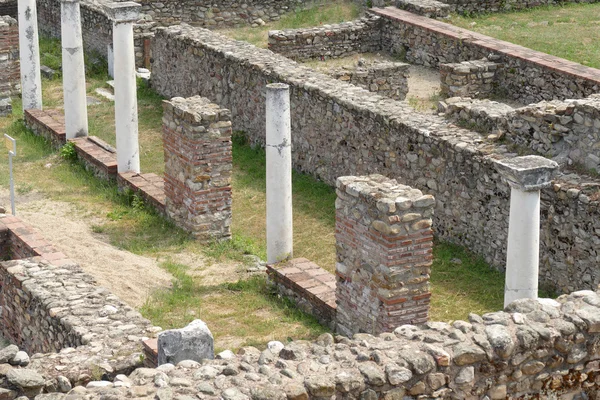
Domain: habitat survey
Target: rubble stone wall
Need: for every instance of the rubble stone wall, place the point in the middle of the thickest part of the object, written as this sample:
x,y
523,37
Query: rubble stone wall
x,y
478,78
225,13
533,349
10,73
384,247
340,129
329,41
529,76
198,165
9,8
389,79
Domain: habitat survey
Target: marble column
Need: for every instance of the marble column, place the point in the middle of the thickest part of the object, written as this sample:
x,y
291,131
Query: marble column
x,y
29,52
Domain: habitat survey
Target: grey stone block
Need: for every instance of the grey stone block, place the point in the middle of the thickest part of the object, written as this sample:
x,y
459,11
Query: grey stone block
x,y
194,342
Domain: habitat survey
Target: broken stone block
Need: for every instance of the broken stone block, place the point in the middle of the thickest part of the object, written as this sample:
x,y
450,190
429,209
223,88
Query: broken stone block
x,y
194,342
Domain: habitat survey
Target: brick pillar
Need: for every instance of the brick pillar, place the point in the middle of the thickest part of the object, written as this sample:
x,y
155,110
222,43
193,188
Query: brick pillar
x,y
384,246
197,143
10,76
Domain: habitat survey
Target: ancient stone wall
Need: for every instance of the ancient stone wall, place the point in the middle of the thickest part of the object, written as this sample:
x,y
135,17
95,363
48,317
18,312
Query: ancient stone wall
x,y
329,41
340,129
224,13
384,247
9,8
389,79
529,76
96,27
198,164
10,78
533,349
478,78
491,6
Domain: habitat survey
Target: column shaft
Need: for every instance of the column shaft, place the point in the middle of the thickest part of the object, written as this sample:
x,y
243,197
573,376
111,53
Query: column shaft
x,y
279,174
73,67
29,51
522,262
126,113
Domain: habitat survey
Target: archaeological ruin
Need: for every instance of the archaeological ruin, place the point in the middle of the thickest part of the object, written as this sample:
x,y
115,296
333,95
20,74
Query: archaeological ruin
x,y
514,183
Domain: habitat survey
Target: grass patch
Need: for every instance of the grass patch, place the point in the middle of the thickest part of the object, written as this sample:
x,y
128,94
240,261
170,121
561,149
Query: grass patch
x,y
568,31
332,13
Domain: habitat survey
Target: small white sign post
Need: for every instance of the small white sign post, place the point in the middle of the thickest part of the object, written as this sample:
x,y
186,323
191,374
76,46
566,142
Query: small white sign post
x,y
11,145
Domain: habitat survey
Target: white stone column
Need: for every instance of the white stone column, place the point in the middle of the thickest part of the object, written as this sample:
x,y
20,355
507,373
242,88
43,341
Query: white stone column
x,y
526,177
279,174
29,52
126,113
73,71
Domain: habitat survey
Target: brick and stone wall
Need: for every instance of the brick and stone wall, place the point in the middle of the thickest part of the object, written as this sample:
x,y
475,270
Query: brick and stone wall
x,y
329,41
529,76
477,79
10,78
9,8
384,247
49,124
198,164
533,349
330,120
389,79
224,13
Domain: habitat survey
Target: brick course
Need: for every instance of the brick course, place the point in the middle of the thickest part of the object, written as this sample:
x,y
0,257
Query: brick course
x,y
197,144
10,75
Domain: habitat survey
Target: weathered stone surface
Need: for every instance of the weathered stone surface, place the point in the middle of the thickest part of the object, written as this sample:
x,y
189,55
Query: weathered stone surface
x,y
8,353
25,378
194,342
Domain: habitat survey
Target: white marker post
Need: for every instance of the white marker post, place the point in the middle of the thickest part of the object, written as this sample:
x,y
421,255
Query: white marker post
x,y
11,145
29,53
526,177
123,16
279,174
73,66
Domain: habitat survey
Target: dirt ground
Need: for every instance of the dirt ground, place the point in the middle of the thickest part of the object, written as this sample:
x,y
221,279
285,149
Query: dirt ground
x,y
130,276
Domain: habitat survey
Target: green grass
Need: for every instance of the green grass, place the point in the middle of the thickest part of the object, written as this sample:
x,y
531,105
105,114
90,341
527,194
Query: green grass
x,y
568,31
332,13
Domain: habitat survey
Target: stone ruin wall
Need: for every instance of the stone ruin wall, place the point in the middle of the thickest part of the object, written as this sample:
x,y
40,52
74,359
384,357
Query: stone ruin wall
x,y
225,13
9,8
469,7
477,79
10,78
389,79
529,76
340,129
329,41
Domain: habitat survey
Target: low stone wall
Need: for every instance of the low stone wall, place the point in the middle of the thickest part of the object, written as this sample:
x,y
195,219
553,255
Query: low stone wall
x,y
491,6
529,76
49,124
389,79
329,41
534,349
427,8
330,120
198,165
10,73
225,13
477,79
384,247
97,156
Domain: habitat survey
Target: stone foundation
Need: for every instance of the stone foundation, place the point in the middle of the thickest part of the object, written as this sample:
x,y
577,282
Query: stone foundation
x,y
49,124
198,164
476,79
10,73
384,247
329,41
389,79
427,8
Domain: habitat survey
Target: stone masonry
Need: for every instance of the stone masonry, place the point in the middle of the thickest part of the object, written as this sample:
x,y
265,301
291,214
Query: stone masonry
x,y
477,79
10,78
384,247
542,349
330,121
197,143
328,41
389,79
8,7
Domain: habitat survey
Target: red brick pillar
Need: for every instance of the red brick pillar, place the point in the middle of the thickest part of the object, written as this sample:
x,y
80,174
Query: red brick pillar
x,y
197,143
384,251
10,75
